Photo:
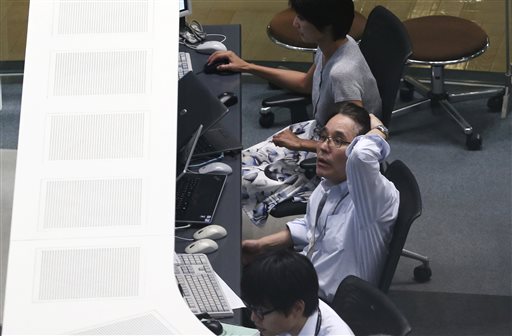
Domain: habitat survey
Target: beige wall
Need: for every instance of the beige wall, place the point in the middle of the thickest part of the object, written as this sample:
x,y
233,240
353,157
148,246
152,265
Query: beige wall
x,y
254,15
13,29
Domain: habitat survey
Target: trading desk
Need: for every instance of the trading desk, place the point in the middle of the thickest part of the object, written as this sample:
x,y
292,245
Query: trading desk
x,y
227,260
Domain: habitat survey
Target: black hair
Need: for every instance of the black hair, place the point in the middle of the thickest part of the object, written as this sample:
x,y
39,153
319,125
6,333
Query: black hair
x,y
338,14
355,112
278,279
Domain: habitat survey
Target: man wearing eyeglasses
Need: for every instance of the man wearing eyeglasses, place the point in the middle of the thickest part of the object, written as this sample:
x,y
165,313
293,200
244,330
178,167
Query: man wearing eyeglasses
x,y
351,213
280,289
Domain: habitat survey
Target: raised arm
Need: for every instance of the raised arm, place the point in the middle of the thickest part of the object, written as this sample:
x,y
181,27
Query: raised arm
x,y
374,196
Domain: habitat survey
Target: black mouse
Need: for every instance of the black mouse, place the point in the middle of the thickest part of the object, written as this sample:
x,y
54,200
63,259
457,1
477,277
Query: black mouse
x,y
228,98
212,67
213,325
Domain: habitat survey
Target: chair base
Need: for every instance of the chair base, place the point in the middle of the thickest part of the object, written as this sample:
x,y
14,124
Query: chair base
x,y
437,94
422,273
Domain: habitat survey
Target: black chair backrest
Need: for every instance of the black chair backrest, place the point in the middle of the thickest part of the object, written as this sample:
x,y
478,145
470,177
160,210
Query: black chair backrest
x,y
409,209
367,310
386,47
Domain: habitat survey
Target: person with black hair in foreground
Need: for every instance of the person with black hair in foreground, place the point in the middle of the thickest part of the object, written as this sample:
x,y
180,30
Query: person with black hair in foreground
x,y
281,291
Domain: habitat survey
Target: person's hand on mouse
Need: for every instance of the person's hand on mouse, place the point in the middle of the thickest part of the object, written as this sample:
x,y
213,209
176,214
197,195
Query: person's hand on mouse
x,y
287,139
236,64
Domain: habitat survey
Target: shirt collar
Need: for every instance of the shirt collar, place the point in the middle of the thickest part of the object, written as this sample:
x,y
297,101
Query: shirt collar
x,y
328,186
310,325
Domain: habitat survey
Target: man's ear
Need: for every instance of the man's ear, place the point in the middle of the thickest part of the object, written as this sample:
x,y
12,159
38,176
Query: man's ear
x,y
298,308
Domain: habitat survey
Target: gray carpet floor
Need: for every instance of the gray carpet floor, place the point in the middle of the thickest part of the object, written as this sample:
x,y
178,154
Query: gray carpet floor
x,y
465,228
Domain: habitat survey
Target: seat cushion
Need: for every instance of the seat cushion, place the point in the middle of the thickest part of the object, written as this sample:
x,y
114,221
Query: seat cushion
x,y
281,28
443,38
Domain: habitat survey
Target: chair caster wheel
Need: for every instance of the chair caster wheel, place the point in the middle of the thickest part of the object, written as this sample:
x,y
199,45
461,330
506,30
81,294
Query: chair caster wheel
x,y
406,92
473,141
494,103
422,273
266,119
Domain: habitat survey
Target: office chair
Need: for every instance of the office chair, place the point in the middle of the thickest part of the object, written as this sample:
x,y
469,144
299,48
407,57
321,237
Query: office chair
x,y
410,208
367,310
440,40
280,30
386,48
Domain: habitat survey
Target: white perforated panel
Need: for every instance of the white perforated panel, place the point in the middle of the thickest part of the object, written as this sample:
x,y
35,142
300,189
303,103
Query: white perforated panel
x,y
92,203
141,325
96,136
100,73
102,16
71,274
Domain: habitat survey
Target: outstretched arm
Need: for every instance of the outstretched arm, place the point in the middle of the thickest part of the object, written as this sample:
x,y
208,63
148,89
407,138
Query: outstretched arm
x,y
252,247
291,141
289,79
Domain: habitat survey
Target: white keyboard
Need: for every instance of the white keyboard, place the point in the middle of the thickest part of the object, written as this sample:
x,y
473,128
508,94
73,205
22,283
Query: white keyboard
x,y
199,286
184,64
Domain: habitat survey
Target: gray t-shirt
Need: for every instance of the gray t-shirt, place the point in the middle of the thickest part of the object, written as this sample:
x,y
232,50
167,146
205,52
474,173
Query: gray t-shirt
x,y
346,76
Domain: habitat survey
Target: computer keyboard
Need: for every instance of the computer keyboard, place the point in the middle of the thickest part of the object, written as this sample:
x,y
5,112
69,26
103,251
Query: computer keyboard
x,y
184,63
199,286
185,187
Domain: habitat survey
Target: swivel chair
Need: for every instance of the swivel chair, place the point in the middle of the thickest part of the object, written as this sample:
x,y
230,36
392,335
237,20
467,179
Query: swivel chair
x,y
367,310
409,209
280,30
437,41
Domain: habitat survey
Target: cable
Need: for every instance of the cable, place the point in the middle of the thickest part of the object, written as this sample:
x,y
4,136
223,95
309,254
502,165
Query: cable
x,y
182,227
223,36
200,164
193,45
183,238
192,33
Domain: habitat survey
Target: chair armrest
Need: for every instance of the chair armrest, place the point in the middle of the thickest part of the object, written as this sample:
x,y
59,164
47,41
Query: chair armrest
x,y
308,164
287,100
288,208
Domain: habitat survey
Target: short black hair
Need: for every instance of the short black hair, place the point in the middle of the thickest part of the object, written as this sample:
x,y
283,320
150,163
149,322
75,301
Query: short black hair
x,y
355,112
279,279
338,14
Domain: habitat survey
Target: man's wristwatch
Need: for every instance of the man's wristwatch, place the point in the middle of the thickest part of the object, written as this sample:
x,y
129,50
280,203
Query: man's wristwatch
x,y
384,130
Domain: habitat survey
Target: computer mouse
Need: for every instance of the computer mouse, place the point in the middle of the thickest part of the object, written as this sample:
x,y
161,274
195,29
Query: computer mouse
x,y
213,325
212,67
216,168
209,47
202,246
211,231
228,98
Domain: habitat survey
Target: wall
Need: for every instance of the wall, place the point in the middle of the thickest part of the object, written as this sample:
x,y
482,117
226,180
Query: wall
x,y
254,15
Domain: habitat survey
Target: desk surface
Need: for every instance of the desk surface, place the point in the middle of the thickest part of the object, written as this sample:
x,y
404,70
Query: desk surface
x,y
227,260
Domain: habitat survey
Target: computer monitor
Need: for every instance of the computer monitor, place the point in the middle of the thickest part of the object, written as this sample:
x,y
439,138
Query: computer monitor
x,y
185,8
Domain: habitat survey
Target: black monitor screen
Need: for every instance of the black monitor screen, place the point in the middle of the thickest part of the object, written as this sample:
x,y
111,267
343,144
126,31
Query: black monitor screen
x,y
185,8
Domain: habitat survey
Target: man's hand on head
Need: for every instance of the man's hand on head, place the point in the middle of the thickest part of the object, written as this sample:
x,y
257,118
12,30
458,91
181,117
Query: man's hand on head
x,y
375,125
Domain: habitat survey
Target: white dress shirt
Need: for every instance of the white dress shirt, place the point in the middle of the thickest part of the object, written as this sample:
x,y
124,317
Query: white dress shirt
x,y
330,323
352,233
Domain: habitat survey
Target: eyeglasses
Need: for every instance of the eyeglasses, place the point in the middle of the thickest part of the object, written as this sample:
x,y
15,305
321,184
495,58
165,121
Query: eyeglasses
x,y
337,141
259,312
